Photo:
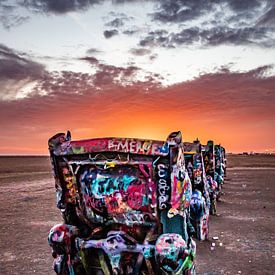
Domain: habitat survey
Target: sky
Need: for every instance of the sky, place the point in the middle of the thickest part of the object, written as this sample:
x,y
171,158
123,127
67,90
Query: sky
x,y
126,68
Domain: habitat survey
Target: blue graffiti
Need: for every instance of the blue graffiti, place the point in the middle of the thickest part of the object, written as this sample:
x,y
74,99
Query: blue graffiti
x,y
99,185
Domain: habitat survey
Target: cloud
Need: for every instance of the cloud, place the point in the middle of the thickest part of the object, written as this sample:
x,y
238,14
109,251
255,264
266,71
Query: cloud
x,y
10,17
244,5
20,76
58,6
209,37
110,33
226,106
17,71
90,59
131,31
14,65
180,10
119,19
155,38
208,23
140,51
107,75
218,36
93,51
268,19
116,23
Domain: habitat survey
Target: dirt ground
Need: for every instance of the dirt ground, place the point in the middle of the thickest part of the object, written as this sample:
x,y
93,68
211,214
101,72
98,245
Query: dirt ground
x,y
244,226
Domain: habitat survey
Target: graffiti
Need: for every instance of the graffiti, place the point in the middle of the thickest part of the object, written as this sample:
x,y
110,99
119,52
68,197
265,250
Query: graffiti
x,y
60,239
163,185
132,218
118,190
104,185
96,204
70,185
118,186
182,191
137,196
133,146
62,145
172,253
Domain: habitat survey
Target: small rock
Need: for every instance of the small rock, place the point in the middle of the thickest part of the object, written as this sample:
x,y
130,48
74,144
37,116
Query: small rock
x,y
220,244
239,272
213,244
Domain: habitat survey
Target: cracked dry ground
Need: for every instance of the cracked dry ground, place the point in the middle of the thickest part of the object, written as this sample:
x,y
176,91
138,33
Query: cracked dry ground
x,y
245,224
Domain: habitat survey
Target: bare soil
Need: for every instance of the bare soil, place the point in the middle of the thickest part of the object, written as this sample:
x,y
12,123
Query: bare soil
x,y
244,225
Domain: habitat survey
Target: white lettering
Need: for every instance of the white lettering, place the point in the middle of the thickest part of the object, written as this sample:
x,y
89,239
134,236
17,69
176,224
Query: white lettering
x,y
162,186
122,146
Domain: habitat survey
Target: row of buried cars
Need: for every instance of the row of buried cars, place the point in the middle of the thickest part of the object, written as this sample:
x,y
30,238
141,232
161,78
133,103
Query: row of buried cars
x,y
132,206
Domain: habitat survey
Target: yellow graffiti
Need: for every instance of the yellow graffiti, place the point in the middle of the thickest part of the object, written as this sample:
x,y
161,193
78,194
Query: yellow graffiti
x,y
70,185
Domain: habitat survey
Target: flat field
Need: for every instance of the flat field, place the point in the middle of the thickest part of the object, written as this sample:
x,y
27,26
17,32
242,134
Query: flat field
x,y
244,225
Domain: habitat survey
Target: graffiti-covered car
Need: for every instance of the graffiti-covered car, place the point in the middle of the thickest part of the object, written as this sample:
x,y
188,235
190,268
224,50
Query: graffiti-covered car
x,y
209,163
224,160
200,201
219,168
124,204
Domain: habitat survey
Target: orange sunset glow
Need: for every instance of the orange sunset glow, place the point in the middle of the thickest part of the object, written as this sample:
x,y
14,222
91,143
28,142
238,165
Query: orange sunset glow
x,y
123,72
239,119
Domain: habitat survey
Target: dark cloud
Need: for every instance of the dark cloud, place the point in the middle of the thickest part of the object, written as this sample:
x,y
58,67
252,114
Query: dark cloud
x,y
112,75
5,6
155,38
105,77
130,32
14,65
65,83
219,35
244,5
153,57
16,72
91,60
58,6
108,75
241,36
235,22
210,37
93,51
116,23
9,17
178,11
140,51
268,19
181,10
110,33
119,20
241,103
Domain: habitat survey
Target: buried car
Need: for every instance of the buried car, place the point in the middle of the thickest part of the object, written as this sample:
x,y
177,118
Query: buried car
x,y
200,201
209,163
219,168
124,204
